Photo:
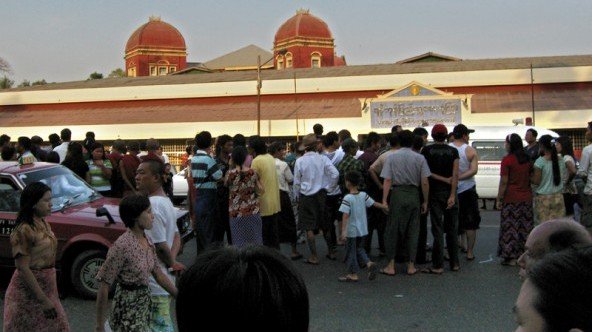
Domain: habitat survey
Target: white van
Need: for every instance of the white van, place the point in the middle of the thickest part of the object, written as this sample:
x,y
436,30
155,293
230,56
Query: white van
x,y
490,145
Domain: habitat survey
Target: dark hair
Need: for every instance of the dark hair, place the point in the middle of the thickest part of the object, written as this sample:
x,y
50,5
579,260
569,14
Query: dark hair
x,y
53,157
420,131
406,138
240,140
37,140
395,129
348,145
131,207
142,145
239,155
417,142
566,146
257,144
221,141
203,140
66,135
152,144
133,146
8,152
393,139
89,141
564,238
546,142
189,149
74,157
95,146
4,139
318,129
372,138
256,286
533,132
32,194
156,167
343,134
330,138
562,281
275,147
54,139
517,148
354,177
120,146
24,142
90,134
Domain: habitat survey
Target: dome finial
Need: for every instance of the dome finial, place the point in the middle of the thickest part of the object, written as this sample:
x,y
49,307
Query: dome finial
x,y
303,11
154,18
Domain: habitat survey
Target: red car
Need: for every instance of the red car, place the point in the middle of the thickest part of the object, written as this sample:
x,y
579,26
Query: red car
x,y
84,222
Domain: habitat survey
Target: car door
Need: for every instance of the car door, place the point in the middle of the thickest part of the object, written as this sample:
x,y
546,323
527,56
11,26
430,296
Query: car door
x,y
10,195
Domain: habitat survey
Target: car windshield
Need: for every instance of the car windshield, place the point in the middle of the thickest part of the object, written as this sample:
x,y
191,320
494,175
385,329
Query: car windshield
x,y
66,188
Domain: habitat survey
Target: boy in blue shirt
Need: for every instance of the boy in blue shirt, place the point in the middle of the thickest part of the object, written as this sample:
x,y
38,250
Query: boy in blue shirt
x,y
354,227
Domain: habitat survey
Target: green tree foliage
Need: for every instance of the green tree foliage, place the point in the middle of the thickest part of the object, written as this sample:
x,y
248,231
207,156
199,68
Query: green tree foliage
x,y
39,82
95,76
6,83
24,83
117,73
4,66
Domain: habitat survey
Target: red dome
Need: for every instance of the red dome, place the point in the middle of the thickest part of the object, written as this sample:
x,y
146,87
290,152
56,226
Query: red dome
x,y
156,34
303,24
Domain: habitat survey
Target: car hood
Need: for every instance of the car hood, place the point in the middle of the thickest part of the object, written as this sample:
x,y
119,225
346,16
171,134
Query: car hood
x,y
89,210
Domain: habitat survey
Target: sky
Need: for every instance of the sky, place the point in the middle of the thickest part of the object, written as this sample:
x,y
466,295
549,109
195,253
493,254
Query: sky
x,y
67,40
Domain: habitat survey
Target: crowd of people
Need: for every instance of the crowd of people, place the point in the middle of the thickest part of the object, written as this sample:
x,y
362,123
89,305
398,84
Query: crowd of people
x,y
253,195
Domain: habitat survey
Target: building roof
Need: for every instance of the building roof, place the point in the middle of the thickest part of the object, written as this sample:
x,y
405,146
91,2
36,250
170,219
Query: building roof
x,y
343,71
303,24
429,57
156,34
244,58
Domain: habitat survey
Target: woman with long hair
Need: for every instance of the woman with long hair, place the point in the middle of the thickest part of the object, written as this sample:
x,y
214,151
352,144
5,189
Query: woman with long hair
x,y
130,261
244,187
548,172
565,149
100,170
31,302
75,160
514,198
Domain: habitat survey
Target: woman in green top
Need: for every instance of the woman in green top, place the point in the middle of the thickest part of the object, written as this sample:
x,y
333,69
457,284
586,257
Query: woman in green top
x,y
548,171
100,168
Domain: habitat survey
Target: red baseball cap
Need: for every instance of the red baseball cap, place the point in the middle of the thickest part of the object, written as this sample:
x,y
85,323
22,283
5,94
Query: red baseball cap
x,y
439,129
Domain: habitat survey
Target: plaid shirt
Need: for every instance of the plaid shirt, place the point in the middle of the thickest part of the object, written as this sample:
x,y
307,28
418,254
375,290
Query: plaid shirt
x,y
349,163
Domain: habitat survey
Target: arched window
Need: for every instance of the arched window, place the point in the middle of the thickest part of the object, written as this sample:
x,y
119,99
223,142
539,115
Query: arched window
x,y
279,60
131,72
289,62
315,60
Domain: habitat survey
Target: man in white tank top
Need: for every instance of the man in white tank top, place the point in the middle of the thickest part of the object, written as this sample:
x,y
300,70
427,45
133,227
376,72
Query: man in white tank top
x,y
469,216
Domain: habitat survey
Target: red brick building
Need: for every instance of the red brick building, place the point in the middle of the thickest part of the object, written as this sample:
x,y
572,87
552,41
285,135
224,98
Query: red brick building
x,y
156,48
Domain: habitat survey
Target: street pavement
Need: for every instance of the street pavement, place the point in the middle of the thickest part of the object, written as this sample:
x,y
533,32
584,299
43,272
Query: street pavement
x,y
478,298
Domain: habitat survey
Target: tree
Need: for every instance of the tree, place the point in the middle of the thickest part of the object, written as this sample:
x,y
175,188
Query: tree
x,y
4,66
95,76
39,82
117,73
6,83
24,83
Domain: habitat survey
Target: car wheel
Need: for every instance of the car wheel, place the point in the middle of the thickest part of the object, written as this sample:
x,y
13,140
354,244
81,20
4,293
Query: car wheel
x,y
84,270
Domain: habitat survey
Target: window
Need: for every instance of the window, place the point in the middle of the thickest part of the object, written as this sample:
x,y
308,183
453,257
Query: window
x,y
288,60
280,62
162,71
9,196
172,69
131,72
152,71
490,150
315,60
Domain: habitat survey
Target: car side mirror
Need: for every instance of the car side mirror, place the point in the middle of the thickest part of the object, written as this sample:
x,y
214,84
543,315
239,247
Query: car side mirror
x,y
102,211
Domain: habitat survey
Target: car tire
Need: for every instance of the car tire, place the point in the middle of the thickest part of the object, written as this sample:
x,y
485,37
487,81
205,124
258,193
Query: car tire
x,y
84,270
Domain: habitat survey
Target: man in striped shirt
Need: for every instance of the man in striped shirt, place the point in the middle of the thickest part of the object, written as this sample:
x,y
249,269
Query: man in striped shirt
x,y
205,174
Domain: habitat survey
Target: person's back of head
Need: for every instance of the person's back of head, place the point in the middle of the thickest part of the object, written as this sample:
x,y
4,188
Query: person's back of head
x,y
120,146
406,139
24,143
133,146
349,146
53,157
330,139
253,288
54,139
318,129
393,139
344,134
563,295
239,140
152,145
276,147
420,131
258,145
36,140
66,135
8,153
203,140
396,129
4,139
372,138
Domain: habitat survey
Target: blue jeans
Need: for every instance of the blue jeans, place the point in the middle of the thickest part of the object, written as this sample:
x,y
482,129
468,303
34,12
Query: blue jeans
x,y
205,213
355,254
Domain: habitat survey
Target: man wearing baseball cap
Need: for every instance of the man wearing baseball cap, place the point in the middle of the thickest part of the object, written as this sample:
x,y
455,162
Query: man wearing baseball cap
x,y
443,162
468,214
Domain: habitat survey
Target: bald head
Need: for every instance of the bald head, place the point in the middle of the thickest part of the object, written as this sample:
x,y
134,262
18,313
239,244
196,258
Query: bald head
x,y
552,236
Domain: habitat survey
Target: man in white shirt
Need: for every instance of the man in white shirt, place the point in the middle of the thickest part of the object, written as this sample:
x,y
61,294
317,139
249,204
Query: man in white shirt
x,y
333,151
165,237
62,149
585,171
314,176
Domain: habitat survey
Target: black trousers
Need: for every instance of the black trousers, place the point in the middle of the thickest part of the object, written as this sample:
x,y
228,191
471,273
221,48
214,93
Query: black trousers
x,y
270,233
331,214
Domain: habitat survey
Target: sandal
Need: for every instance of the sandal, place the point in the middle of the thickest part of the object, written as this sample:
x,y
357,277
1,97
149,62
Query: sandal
x,y
310,263
431,271
347,279
382,271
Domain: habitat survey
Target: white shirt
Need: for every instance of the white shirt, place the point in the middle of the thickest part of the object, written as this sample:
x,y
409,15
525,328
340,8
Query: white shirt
x,y
284,173
336,157
585,169
358,153
163,229
62,150
313,172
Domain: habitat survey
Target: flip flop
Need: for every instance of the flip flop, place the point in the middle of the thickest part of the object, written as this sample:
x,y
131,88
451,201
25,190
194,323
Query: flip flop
x,y
311,263
431,271
372,271
382,271
297,257
455,269
346,279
